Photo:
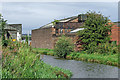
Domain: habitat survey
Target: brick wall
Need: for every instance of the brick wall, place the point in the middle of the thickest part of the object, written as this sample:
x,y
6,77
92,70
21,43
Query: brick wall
x,y
42,38
68,25
115,30
46,38
69,35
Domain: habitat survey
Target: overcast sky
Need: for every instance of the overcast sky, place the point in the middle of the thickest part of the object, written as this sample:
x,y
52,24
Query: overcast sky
x,y
33,15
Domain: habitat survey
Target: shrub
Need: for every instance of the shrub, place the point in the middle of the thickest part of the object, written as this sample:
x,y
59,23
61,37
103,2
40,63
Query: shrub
x,y
63,47
45,52
5,43
95,32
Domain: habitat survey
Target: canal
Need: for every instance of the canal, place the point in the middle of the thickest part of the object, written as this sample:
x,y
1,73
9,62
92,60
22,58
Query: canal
x,y
82,69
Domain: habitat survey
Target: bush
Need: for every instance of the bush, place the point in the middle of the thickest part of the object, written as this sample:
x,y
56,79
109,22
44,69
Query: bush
x,y
63,47
5,43
96,31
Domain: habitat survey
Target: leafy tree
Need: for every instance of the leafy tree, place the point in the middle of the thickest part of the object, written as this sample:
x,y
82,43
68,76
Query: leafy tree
x,y
63,47
2,30
95,32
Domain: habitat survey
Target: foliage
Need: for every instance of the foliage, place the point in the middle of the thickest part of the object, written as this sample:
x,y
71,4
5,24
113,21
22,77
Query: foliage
x,y
2,31
106,58
63,47
43,51
111,59
18,61
26,40
108,48
95,32
55,21
5,43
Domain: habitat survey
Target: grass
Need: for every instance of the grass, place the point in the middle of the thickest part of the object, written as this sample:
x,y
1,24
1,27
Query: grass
x,y
20,61
97,58
108,59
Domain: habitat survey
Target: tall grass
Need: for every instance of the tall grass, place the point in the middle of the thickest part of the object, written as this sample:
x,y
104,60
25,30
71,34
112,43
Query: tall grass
x,y
20,61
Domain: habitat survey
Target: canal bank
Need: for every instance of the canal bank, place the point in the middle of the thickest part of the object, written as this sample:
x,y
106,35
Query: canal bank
x,y
82,69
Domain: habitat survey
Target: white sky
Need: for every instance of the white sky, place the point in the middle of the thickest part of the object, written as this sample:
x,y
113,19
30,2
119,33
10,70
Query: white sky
x,y
33,15
59,0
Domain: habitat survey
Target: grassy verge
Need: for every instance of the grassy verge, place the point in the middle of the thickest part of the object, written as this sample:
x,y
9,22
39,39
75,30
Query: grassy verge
x,y
20,61
108,59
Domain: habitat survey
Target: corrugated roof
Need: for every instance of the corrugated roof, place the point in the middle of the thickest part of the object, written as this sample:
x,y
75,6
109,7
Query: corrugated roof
x,y
47,25
62,20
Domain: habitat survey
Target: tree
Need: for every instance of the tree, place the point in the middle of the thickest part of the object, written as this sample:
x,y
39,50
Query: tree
x,y
2,30
63,47
95,32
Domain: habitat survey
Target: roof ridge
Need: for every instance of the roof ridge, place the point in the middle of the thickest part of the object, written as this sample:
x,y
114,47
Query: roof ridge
x,y
71,18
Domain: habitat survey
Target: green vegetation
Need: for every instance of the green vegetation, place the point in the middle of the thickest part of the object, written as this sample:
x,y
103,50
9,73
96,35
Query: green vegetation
x,y
63,47
20,61
97,58
108,59
96,43
2,31
26,40
95,32
55,21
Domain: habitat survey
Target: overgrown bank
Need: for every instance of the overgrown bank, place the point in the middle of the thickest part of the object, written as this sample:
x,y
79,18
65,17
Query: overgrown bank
x,y
19,61
111,59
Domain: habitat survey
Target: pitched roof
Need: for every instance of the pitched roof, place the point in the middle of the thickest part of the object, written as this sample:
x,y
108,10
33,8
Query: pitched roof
x,y
62,20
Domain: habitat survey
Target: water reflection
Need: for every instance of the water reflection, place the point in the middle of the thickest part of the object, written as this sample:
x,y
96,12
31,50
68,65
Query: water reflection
x,y
82,69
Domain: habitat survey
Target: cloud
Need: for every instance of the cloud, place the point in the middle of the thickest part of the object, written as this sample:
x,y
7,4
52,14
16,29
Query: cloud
x,y
34,15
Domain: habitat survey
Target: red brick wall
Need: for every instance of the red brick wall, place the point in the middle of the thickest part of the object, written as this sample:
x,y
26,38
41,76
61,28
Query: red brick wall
x,y
42,38
69,35
115,30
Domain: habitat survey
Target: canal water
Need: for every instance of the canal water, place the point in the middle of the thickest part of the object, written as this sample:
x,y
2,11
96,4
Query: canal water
x,y
82,69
